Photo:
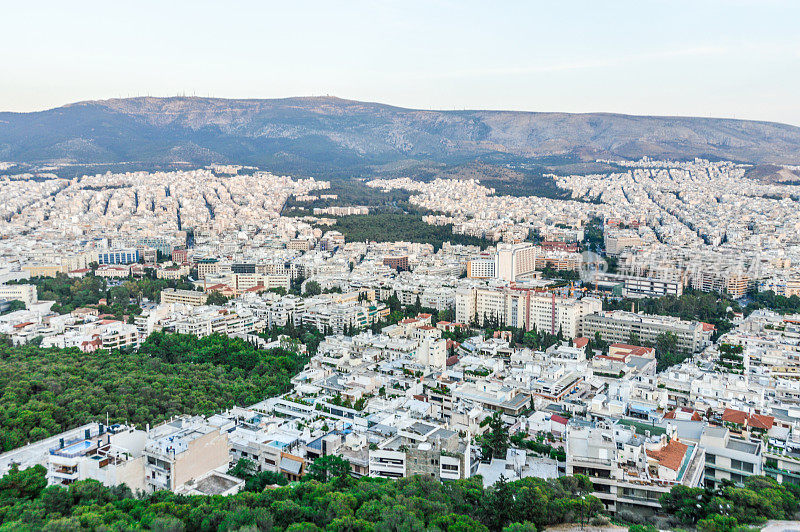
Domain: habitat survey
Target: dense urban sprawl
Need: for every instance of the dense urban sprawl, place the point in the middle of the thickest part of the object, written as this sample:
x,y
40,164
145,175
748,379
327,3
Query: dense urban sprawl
x,y
638,345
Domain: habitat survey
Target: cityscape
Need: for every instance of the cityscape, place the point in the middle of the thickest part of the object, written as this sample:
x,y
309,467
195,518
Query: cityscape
x,y
481,305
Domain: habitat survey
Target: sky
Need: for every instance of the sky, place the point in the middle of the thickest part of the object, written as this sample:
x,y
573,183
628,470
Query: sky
x,y
730,59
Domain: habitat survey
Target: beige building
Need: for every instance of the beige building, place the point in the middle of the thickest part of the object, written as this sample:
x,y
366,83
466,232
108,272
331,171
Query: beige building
x,y
173,272
42,270
182,450
185,297
21,292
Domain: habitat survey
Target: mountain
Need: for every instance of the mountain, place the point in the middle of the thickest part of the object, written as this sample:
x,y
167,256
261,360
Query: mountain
x,y
332,135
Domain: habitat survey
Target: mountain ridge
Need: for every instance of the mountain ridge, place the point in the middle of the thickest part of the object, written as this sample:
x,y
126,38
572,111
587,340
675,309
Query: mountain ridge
x,y
310,134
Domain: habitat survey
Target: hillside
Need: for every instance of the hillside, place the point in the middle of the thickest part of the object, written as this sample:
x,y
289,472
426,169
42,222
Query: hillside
x,y
331,135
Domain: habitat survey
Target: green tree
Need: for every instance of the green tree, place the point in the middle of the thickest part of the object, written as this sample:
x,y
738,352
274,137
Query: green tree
x,y
496,438
328,467
216,298
312,289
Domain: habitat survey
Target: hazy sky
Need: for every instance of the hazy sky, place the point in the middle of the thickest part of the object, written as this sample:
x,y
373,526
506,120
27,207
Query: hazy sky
x,y
706,58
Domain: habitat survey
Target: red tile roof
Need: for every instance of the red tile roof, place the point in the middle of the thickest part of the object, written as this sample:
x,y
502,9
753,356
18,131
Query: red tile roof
x,y
692,414
760,421
580,342
734,416
671,455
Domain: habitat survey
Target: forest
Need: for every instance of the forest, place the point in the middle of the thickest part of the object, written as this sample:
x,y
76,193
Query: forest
x,y
46,391
340,504
392,227
336,501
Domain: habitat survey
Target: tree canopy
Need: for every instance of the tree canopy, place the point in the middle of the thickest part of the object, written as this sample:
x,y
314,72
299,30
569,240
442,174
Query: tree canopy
x,y
46,391
341,504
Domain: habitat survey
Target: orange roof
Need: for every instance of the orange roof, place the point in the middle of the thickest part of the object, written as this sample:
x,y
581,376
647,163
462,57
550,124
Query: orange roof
x,y
760,421
625,346
580,342
693,414
671,455
734,416
426,328
21,325
707,326
423,316
408,320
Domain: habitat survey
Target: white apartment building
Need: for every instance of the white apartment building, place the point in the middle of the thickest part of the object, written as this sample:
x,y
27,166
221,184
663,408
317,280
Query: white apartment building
x,y
629,470
21,292
528,309
216,321
617,327
111,456
728,457
514,260
481,268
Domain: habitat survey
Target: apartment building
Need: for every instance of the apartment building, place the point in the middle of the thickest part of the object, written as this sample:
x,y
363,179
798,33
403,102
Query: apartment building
x,y
786,287
728,457
118,335
629,470
617,241
335,317
514,260
241,282
617,327
733,284
112,455
183,297
397,262
525,308
426,449
481,268
182,450
20,292
217,321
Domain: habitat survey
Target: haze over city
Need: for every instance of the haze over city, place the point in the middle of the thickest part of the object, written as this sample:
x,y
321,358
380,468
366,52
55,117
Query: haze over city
x,y
710,58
